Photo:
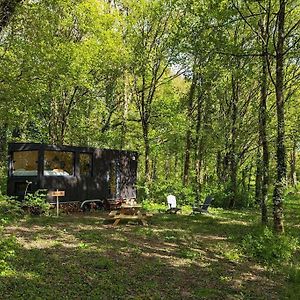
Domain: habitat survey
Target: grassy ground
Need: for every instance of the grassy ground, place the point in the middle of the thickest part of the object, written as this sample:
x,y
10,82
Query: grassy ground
x,y
175,257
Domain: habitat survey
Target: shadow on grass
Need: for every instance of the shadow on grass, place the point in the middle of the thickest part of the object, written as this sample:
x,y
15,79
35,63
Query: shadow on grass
x,y
177,257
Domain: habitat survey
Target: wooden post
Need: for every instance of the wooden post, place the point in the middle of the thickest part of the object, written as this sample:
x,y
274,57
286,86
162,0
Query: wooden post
x,y
57,194
57,205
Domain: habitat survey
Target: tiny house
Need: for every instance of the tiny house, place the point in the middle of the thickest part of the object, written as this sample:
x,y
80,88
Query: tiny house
x,y
84,173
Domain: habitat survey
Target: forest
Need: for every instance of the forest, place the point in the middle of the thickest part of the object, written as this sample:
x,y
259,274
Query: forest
x,y
207,92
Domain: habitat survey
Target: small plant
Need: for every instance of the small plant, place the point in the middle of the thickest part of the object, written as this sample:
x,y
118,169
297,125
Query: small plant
x,y
293,273
103,263
83,246
36,204
234,255
188,253
270,248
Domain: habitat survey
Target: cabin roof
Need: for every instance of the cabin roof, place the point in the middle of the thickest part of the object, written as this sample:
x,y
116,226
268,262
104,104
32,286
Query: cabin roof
x,y
37,146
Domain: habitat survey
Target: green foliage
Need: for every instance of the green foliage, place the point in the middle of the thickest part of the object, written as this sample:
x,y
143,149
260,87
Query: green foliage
x,y
270,248
10,209
153,206
104,263
234,254
223,193
36,204
192,252
207,293
293,273
158,191
7,251
3,179
292,290
188,253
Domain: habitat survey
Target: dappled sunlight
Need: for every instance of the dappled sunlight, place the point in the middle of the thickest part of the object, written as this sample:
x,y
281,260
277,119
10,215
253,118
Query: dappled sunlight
x,y
19,274
212,238
235,222
190,252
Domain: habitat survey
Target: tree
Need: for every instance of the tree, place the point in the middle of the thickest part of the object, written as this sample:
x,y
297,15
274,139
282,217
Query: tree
x,y
151,30
7,9
64,61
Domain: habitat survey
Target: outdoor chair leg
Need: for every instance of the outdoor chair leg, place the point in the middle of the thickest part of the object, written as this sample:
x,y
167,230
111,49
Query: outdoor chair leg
x,y
116,222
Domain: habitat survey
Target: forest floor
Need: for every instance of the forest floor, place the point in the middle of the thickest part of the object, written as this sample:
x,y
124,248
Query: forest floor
x,y
176,257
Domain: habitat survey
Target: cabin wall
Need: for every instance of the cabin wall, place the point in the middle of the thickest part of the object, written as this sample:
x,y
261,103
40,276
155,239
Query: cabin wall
x,y
80,186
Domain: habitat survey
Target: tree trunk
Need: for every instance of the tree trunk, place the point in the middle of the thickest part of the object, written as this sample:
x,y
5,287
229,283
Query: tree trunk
x,y
293,175
168,168
146,152
233,155
188,144
176,164
154,169
263,127
250,177
219,167
125,112
199,149
258,177
278,195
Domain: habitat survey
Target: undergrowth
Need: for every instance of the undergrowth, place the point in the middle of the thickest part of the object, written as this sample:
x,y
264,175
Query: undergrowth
x,y
270,248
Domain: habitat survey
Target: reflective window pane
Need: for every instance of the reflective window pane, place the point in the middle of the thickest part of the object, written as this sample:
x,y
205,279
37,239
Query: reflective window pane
x,y
25,163
58,163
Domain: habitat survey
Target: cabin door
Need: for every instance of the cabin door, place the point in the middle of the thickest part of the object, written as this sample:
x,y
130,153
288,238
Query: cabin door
x,y
115,180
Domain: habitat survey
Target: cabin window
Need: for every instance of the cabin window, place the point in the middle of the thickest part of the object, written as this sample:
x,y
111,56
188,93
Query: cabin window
x,y
58,163
85,164
25,163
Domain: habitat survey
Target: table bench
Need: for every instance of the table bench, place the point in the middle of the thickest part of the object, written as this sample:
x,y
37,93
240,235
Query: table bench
x,y
129,212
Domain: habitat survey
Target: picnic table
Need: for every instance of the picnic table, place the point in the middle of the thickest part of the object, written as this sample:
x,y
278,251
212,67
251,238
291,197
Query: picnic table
x,y
129,212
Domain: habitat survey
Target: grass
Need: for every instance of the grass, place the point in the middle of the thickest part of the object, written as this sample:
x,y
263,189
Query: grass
x,y
175,257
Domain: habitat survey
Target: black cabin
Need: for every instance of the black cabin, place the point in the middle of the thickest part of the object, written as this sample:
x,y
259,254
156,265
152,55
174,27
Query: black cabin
x,y
83,173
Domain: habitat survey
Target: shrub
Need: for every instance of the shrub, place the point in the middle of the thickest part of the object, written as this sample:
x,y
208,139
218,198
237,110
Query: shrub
x,y
159,190
36,204
223,193
10,209
270,248
152,206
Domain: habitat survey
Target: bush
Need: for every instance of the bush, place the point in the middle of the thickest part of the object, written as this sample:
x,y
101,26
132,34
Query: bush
x,y
152,206
158,191
10,209
36,204
270,248
223,193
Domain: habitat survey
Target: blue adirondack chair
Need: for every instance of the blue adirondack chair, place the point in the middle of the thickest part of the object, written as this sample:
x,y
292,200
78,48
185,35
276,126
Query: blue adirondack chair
x,y
203,208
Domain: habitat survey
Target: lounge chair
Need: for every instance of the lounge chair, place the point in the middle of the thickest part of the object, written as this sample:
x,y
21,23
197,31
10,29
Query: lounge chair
x,y
203,208
173,209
